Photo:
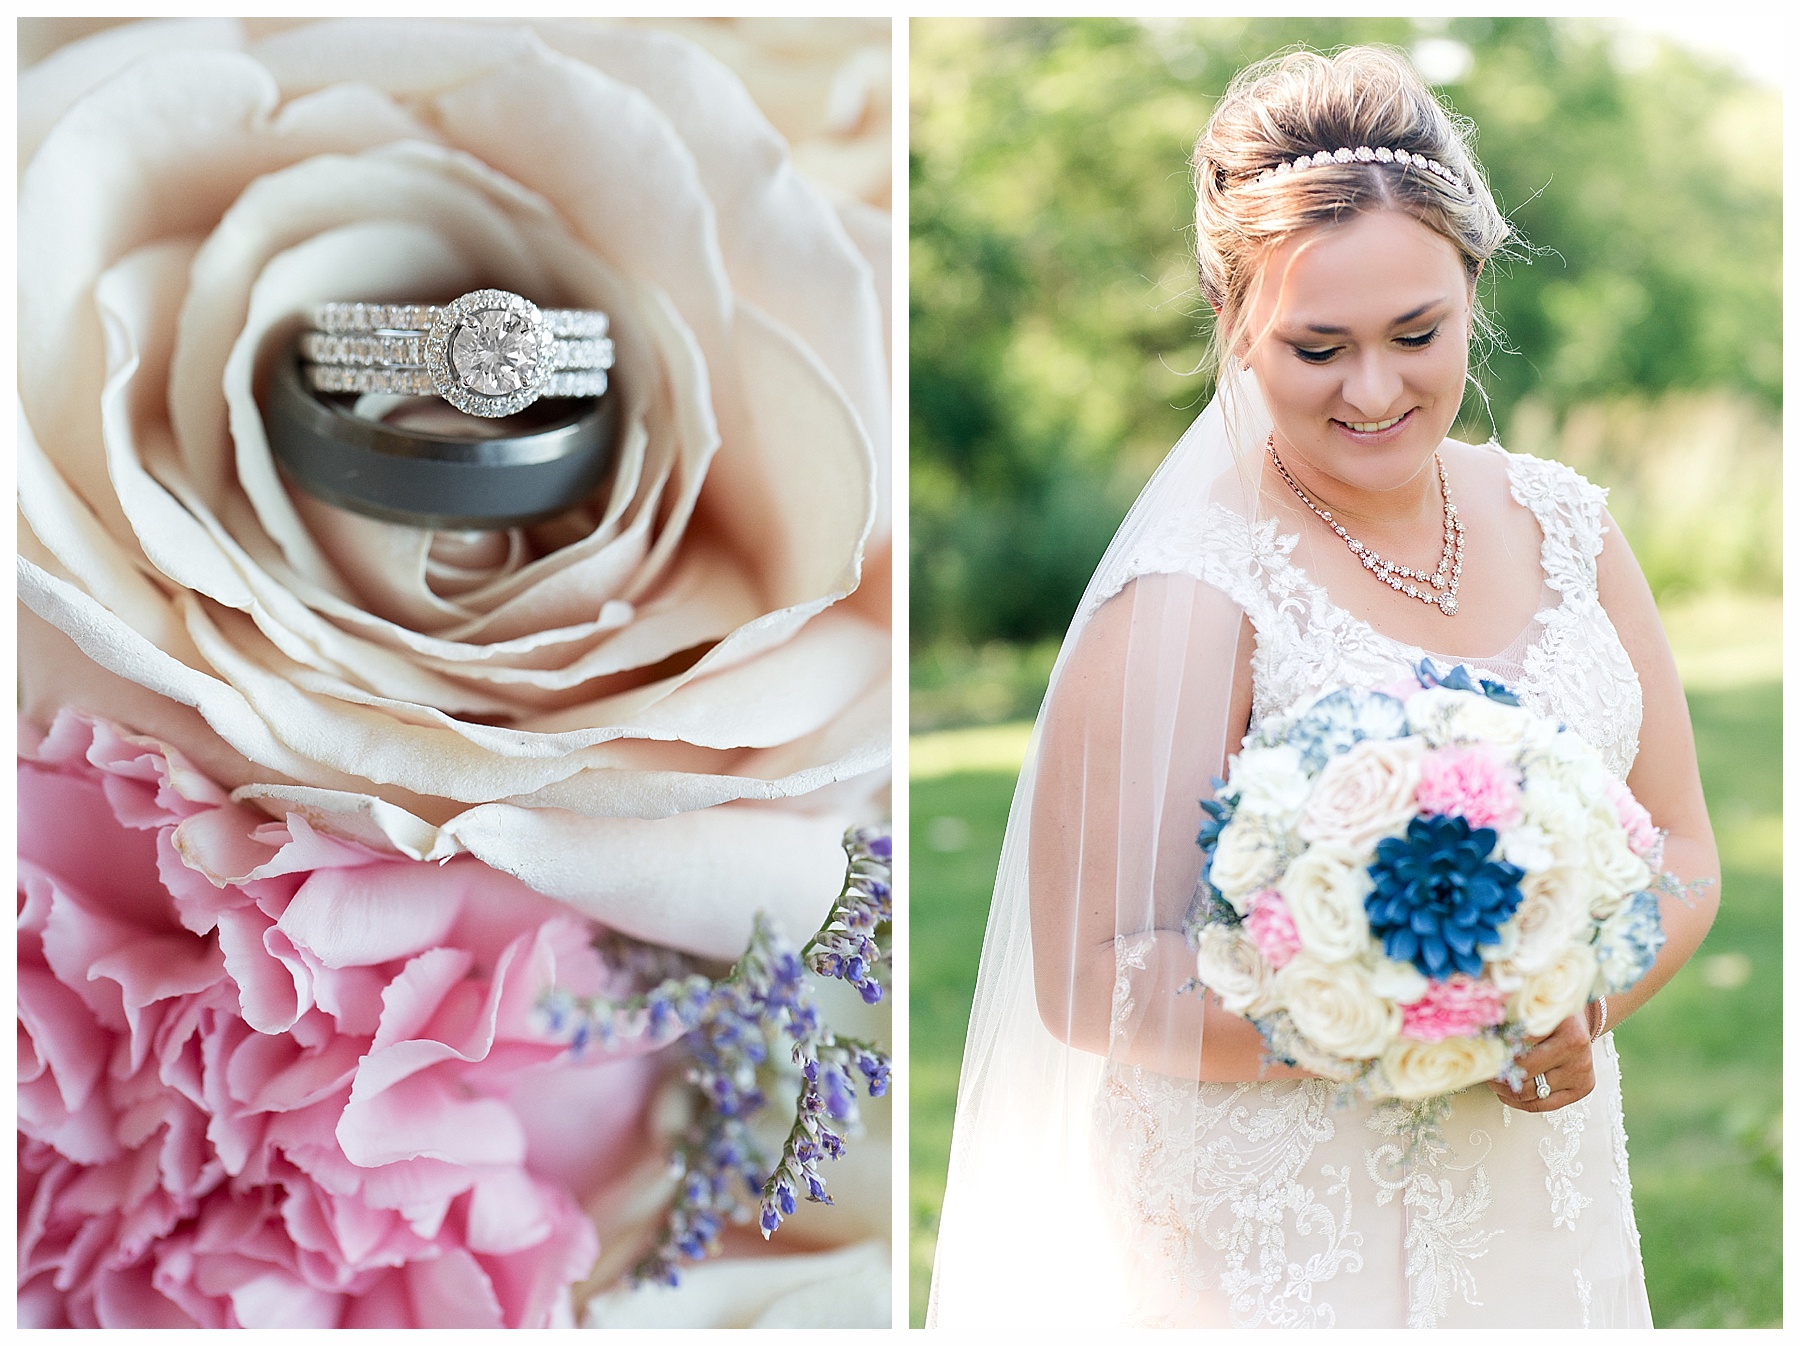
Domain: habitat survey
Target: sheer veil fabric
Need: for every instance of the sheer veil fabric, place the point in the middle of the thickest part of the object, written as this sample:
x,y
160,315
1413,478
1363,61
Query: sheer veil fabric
x,y
1084,957
1093,1180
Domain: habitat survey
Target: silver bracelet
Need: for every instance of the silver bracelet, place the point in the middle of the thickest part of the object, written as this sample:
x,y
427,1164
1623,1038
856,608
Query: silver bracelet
x,y
1595,1035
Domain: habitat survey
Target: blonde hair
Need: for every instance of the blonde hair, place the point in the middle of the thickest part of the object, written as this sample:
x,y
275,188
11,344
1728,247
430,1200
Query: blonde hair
x,y
1299,104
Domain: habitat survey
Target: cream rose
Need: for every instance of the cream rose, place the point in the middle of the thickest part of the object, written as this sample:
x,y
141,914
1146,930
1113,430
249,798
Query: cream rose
x,y
1548,997
1427,1069
1324,889
1618,871
1246,858
663,708
1335,1005
1364,794
1230,966
1552,912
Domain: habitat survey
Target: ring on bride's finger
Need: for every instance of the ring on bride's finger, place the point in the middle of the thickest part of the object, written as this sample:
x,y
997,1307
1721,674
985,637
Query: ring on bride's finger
x,y
1543,1087
489,353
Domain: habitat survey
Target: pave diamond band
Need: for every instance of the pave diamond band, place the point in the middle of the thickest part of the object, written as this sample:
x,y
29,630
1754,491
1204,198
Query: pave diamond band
x,y
393,350
418,383
563,322
487,353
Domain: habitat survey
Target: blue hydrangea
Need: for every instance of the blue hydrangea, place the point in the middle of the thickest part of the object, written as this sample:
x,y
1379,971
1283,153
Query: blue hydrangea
x,y
1438,896
1339,720
1628,942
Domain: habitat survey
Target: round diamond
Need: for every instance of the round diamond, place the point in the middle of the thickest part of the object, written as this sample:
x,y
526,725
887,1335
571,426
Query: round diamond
x,y
1447,604
494,352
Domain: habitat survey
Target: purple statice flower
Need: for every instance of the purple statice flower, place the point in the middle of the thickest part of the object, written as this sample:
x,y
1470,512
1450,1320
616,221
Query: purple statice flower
x,y
735,1029
848,946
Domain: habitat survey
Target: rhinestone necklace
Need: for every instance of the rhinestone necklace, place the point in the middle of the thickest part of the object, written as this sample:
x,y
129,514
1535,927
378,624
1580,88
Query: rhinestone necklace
x,y
1442,591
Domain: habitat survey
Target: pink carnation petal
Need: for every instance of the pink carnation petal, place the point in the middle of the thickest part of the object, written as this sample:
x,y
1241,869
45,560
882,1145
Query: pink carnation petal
x,y
373,914
452,1291
272,993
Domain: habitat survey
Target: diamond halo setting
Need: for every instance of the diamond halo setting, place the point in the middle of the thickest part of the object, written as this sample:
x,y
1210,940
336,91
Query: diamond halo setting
x,y
489,353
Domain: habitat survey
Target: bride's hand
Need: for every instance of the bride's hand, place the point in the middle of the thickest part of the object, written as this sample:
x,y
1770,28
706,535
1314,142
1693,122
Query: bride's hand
x,y
1565,1059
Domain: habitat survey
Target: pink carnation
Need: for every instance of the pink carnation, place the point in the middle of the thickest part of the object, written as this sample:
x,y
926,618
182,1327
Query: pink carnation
x,y
1271,927
268,1077
1640,833
1474,783
1453,1009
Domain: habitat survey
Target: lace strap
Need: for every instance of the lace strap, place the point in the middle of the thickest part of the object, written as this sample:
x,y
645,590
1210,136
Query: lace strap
x,y
1245,562
1571,513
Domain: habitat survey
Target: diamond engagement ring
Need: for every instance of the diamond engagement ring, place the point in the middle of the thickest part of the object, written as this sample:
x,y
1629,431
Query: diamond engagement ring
x,y
489,353
1543,1087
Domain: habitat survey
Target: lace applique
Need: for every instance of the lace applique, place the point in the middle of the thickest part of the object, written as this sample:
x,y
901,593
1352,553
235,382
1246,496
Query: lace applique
x,y
1621,1174
1566,1198
1254,1176
1584,1291
1224,1163
1443,1231
1129,955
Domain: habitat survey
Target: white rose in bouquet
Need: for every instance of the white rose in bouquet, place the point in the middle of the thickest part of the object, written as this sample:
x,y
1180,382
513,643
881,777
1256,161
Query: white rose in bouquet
x,y
1270,784
1427,1069
1247,858
1549,996
1230,966
1324,889
1552,911
1618,871
1337,1007
1364,794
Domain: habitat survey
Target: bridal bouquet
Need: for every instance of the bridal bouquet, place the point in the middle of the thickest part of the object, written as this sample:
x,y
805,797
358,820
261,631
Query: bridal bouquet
x,y
1402,887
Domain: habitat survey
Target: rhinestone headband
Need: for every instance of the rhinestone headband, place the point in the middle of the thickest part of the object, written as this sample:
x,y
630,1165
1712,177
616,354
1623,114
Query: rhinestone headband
x,y
1364,155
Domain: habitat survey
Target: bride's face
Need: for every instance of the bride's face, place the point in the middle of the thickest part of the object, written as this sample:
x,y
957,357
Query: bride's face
x,y
1359,338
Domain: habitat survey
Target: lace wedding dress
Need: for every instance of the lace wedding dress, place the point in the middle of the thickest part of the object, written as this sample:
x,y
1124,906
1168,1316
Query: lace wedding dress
x,y
1270,1204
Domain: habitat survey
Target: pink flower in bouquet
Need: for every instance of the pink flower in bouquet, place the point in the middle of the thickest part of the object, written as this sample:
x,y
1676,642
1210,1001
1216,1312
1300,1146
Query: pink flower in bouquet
x,y
1640,831
1474,783
1271,927
270,1077
1454,1008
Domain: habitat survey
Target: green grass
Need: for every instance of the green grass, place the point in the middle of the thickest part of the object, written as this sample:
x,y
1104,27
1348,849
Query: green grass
x,y
1702,1062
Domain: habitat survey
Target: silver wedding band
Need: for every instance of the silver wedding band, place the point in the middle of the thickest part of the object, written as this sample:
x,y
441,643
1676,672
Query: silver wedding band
x,y
487,353
1543,1087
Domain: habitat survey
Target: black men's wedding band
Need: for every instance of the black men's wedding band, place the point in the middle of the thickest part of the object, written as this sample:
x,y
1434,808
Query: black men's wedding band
x,y
432,480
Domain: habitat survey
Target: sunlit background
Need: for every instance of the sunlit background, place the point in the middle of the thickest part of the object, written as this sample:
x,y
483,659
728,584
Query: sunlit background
x,y
1055,328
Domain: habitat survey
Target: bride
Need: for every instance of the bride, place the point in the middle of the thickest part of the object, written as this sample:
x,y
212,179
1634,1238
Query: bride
x,y
1124,1152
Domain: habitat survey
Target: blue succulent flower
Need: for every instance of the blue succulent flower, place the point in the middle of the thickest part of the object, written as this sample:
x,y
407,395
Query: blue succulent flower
x,y
1438,896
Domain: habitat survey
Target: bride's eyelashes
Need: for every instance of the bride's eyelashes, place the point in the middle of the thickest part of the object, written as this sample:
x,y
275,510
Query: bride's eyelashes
x,y
1313,355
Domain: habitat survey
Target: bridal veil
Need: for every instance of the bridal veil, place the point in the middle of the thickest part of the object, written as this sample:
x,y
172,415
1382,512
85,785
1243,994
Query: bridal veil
x,y
1085,962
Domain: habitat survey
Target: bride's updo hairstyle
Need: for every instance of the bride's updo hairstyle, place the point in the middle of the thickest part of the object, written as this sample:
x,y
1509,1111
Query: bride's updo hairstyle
x,y
1390,144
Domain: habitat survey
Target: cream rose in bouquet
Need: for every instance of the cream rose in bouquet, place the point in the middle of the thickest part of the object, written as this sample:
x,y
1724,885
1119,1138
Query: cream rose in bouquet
x,y
1404,887
398,905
